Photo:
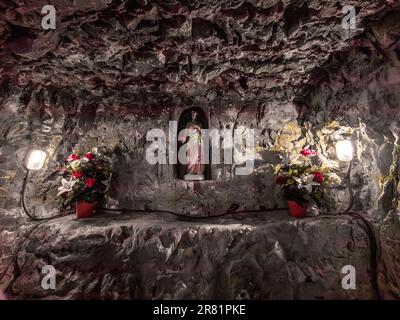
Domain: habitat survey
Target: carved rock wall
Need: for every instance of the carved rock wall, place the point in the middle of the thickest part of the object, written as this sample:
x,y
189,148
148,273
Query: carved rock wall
x,y
112,70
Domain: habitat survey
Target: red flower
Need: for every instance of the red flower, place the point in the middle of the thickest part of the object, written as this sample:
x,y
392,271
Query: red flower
x,y
89,155
77,174
73,157
308,153
318,177
280,180
90,182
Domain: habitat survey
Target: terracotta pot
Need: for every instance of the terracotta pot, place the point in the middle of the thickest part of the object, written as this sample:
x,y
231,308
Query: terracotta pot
x,y
84,209
296,210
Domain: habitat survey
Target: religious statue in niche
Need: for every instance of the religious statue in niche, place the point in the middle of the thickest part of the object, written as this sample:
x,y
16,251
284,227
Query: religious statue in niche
x,y
195,168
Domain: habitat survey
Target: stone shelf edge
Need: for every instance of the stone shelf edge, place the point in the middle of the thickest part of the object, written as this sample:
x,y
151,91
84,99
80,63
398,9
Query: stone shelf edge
x,y
155,256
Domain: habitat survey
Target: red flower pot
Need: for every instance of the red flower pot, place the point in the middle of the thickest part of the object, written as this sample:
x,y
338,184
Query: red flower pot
x,y
84,209
296,210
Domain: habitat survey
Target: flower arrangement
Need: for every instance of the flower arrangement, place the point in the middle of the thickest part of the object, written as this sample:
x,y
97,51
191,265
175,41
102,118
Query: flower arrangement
x,y
302,179
85,178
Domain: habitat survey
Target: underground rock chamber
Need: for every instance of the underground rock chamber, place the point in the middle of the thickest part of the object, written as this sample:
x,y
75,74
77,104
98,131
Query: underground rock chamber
x,y
270,103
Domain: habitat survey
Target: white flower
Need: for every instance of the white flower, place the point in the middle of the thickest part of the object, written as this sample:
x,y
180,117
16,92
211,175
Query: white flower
x,y
306,182
95,151
334,179
331,164
66,186
289,160
75,164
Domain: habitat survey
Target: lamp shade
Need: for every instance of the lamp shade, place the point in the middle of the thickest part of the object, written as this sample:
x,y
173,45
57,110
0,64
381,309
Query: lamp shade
x,y
344,150
35,159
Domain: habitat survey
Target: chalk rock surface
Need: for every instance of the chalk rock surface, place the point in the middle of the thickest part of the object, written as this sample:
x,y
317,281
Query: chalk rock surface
x,y
155,256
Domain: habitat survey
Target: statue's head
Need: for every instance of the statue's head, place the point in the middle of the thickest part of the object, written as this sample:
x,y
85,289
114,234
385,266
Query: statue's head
x,y
194,114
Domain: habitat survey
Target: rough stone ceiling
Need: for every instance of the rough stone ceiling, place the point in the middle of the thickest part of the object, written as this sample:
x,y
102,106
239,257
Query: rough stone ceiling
x,y
157,52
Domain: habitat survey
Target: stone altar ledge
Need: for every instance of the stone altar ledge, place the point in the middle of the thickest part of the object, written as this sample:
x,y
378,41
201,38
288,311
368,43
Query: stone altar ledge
x,y
156,256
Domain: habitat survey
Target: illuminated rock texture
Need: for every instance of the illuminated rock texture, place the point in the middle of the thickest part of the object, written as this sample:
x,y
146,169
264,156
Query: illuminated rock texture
x,y
112,70
150,256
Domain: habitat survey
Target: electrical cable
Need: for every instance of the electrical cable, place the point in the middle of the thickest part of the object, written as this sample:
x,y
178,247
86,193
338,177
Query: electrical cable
x,y
41,221
374,243
373,239
25,207
350,188
375,250
14,256
191,218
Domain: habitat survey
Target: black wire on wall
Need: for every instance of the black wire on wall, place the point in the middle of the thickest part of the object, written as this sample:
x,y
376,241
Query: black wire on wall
x,y
188,217
369,228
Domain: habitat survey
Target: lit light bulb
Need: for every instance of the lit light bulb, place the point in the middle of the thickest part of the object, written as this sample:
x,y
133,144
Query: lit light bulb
x,y
344,150
35,160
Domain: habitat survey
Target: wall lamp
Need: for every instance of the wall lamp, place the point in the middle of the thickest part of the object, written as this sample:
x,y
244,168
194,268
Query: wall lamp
x,y
344,152
34,161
